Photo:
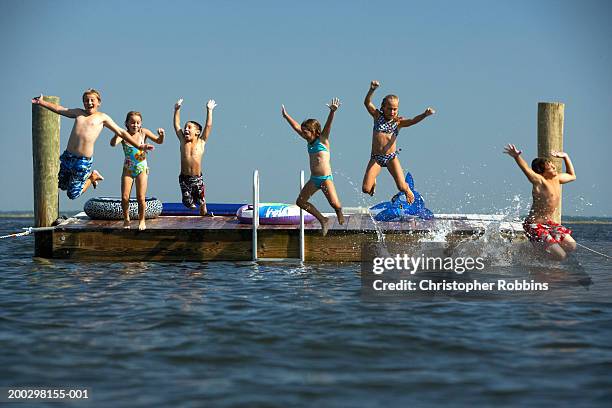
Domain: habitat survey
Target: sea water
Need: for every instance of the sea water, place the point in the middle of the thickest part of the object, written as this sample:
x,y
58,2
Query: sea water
x,y
143,334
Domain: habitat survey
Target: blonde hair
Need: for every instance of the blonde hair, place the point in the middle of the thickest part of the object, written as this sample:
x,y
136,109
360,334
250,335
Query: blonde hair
x,y
386,98
132,113
92,91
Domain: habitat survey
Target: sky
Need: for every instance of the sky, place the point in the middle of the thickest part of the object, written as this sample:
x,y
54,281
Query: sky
x,y
483,65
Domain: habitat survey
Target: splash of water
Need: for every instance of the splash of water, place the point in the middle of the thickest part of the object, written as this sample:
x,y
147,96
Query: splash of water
x,y
363,203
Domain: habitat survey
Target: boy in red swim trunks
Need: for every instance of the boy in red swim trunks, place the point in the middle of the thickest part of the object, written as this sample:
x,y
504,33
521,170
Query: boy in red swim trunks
x,y
554,238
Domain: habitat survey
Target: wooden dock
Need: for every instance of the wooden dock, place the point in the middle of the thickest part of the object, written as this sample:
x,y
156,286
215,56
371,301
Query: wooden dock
x,y
184,238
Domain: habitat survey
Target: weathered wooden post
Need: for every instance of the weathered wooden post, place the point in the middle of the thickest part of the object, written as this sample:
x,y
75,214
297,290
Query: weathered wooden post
x,y
550,136
45,158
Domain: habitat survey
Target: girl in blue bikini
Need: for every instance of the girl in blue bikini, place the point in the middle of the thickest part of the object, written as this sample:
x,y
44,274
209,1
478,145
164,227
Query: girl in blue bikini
x,y
135,166
320,167
384,151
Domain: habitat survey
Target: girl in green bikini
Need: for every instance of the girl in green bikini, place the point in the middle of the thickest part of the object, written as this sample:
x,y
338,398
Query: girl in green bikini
x,y
320,167
135,166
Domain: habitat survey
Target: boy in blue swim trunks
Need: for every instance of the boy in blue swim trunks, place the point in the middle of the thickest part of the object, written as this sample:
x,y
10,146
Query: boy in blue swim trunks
x,y
76,174
193,142
320,168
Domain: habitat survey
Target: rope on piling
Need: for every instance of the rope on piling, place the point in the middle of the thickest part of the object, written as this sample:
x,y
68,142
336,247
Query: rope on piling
x,y
29,230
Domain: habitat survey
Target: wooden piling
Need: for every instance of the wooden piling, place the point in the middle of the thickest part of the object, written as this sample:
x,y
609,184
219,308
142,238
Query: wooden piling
x,y
550,137
45,159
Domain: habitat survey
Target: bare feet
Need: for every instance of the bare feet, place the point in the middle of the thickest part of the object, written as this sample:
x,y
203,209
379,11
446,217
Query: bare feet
x,y
126,224
205,213
373,190
325,226
95,177
340,217
142,226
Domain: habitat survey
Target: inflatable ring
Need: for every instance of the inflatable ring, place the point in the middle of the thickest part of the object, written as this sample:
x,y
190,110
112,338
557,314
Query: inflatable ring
x,y
109,208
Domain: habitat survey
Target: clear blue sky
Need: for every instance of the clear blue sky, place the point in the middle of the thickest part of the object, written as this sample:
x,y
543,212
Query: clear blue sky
x,y
484,66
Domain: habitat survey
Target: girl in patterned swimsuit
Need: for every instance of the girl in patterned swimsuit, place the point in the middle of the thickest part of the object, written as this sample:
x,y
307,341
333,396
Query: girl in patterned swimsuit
x,y
384,152
320,168
135,166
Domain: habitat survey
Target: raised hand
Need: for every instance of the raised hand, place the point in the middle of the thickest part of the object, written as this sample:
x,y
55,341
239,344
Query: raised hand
x,y
560,155
161,132
511,150
333,105
178,104
374,85
283,111
211,104
37,100
429,111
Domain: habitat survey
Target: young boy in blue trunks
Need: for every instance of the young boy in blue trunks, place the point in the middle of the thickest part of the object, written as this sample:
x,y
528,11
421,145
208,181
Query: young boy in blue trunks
x,y
76,174
193,142
553,238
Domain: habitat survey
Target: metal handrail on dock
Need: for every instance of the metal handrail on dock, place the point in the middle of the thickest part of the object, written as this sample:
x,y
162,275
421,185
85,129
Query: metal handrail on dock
x,y
256,220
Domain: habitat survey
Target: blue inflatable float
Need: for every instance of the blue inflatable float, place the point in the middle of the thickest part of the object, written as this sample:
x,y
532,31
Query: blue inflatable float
x,y
400,209
178,209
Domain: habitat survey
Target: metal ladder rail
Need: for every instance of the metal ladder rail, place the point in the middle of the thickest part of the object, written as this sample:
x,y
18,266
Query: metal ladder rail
x,y
256,221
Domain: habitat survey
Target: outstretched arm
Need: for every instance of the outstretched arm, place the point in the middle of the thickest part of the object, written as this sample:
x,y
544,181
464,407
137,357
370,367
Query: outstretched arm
x,y
159,138
110,124
368,100
571,174
177,118
417,118
115,140
512,151
296,126
333,106
53,107
210,105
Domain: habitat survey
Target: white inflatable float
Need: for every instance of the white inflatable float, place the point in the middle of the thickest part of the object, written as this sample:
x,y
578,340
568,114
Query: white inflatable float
x,y
273,213
109,208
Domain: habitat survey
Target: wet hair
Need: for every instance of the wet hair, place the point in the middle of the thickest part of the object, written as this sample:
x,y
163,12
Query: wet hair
x,y
313,125
539,164
132,113
92,91
386,98
196,124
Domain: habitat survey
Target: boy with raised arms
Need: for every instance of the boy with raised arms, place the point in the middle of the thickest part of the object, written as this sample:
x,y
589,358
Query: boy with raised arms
x,y
553,238
193,142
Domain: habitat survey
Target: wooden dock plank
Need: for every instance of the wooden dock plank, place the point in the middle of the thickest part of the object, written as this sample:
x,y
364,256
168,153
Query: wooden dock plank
x,y
224,238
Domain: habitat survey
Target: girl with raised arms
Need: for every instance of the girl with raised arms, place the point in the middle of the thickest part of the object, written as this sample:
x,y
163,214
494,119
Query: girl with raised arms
x,y
387,125
320,167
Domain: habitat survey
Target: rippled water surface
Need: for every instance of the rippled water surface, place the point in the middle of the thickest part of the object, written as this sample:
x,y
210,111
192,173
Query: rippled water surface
x,y
244,334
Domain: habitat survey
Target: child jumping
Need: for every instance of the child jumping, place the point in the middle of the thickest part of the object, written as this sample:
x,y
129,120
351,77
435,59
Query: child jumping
x,y
135,166
384,151
193,140
76,174
320,167
553,238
